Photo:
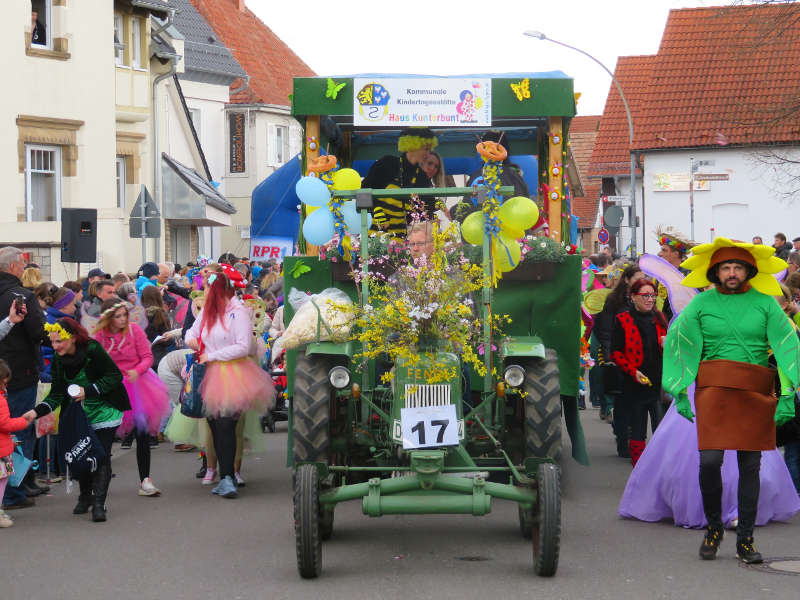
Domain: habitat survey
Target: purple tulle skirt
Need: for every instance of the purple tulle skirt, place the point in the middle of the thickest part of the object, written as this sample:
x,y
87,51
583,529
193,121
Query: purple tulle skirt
x,y
149,404
665,484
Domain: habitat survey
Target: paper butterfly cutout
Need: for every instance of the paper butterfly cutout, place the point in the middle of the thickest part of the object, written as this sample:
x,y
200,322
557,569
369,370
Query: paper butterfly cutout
x,y
334,88
522,89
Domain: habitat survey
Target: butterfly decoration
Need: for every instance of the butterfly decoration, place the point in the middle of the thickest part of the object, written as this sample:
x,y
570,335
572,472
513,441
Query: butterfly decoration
x,y
334,88
299,269
522,89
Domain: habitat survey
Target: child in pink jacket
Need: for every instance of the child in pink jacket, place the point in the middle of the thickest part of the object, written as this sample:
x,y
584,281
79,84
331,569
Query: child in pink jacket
x,y
129,348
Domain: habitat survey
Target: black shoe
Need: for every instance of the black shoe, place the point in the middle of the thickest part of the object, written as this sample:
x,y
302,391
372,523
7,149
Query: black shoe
x,y
82,507
24,503
44,488
30,491
98,511
746,552
710,545
127,442
202,472
153,440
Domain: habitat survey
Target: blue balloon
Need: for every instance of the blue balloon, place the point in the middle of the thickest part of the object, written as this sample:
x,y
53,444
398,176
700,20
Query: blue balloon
x,y
352,220
312,191
318,227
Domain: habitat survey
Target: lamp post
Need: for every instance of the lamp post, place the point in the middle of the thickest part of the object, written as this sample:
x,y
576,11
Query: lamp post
x,y
540,36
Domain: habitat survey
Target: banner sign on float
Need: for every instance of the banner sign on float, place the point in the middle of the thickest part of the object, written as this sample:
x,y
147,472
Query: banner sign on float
x,y
266,247
426,102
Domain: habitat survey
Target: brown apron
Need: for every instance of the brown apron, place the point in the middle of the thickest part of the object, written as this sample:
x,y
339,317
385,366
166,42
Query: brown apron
x,y
735,404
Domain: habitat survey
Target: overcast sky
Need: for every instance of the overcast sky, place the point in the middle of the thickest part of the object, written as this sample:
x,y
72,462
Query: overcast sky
x,y
452,37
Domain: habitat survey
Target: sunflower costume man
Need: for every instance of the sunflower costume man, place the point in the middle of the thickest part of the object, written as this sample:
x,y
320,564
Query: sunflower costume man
x,y
721,343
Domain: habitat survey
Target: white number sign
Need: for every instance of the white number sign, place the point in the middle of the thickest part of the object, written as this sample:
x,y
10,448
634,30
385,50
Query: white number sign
x,y
429,426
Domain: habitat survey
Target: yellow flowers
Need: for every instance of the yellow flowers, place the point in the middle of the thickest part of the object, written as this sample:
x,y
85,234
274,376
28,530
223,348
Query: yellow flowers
x,y
56,327
425,308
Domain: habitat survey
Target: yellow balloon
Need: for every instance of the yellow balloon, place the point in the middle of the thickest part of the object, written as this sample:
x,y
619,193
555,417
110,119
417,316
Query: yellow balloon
x,y
346,179
472,228
504,247
512,231
519,212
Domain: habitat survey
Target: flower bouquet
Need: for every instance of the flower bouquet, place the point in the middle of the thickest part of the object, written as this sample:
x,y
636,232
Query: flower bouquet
x,y
425,307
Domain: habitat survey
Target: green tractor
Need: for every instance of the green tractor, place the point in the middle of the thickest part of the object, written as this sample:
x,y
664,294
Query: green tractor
x,y
409,446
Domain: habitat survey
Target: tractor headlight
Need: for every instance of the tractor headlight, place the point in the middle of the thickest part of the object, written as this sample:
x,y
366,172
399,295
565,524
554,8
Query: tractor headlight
x,y
339,377
514,375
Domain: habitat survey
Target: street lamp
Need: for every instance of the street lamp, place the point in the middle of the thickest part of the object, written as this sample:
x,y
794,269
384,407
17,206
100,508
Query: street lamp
x,y
540,36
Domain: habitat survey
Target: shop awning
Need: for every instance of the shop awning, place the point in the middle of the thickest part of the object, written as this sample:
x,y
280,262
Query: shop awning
x,y
190,198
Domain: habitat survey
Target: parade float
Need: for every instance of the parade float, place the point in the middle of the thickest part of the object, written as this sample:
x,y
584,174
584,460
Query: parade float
x,y
436,388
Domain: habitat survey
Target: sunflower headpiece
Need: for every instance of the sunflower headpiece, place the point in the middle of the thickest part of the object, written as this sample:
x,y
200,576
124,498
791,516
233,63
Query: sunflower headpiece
x,y
57,328
760,258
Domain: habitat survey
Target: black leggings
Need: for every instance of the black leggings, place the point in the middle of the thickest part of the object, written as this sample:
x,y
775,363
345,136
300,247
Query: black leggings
x,y
143,454
630,416
749,487
106,437
223,432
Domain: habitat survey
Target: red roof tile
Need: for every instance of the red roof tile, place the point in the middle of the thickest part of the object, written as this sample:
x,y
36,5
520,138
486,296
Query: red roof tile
x,y
611,155
582,135
269,62
724,75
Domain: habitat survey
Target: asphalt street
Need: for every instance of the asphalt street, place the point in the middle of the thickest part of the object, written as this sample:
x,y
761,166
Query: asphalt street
x,y
190,544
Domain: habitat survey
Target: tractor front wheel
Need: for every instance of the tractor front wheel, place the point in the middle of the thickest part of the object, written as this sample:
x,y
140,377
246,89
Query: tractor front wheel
x,y
543,408
546,529
312,397
307,521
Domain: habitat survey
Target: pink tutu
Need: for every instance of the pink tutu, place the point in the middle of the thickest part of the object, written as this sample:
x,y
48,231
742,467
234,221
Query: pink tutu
x,y
149,404
232,387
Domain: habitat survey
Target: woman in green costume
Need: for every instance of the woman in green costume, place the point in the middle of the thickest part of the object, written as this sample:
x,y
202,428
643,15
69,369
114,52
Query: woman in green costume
x,y
81,361
721,342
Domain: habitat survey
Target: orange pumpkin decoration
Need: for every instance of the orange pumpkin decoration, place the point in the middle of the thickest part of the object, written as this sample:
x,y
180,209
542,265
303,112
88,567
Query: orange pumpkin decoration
x,y
492,151
322,164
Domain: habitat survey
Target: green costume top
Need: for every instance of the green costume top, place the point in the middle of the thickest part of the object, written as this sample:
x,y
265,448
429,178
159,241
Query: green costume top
x,y
741,327
101,379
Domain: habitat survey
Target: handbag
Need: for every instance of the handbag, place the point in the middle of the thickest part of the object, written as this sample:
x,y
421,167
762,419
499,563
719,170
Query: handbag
x,y
21,466
191,400
77,441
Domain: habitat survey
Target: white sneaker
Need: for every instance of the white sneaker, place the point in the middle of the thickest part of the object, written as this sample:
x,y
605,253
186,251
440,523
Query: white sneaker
x,y
148,489
239,481
208,478
5,520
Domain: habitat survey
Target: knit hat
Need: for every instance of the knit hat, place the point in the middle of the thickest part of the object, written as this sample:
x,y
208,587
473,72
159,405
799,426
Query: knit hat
x,y
416,138
148,270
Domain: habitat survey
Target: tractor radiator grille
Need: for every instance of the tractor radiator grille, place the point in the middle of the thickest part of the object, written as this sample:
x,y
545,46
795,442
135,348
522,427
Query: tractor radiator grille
x,y
417,395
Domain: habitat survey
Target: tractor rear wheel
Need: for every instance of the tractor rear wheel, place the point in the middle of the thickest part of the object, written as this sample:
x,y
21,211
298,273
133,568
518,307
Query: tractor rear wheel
x,y
546,530
543,408
312,396
306,521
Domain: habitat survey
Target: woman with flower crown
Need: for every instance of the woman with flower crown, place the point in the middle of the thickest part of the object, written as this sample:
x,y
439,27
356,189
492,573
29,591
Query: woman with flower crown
x,y
127,344
80,362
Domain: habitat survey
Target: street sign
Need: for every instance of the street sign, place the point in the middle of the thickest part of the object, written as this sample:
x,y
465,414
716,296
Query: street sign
x,y
613,215
711,176
152,217
602,236
624,200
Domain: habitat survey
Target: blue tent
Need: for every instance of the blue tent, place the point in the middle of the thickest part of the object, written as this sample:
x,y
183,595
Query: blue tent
x,y
273,208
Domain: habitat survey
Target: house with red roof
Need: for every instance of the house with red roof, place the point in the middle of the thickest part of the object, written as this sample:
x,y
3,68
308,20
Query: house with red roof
x,y
261,134
717,130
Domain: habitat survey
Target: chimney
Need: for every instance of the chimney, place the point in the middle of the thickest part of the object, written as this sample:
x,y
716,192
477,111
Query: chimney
x,y
241,4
